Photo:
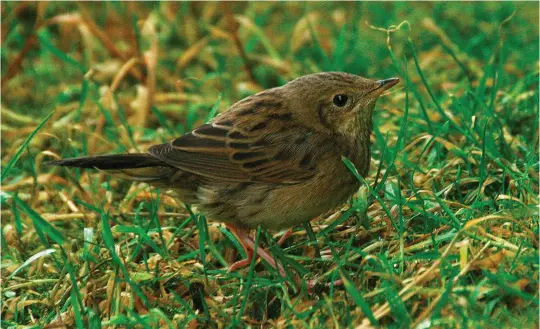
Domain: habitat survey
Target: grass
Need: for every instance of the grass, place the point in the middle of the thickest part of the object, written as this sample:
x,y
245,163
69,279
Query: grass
x,y
443,233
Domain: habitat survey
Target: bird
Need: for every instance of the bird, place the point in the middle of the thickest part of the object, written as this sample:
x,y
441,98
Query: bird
x,y
273,159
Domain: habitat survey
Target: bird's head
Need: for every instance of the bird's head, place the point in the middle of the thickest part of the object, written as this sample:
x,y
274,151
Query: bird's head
x,y
339,102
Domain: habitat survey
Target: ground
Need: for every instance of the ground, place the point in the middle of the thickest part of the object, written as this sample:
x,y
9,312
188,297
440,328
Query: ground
x,y
442,234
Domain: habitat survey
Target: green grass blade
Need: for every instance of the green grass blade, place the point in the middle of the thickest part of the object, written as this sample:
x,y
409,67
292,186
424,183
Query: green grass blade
x,y
27,262
42,226
111,246
251,274
45,41
13,161
358,299
76,310
214,109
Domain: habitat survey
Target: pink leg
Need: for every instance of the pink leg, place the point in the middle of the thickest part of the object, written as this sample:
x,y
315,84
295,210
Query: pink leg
x,y
249,245
242,263
249,252
284,237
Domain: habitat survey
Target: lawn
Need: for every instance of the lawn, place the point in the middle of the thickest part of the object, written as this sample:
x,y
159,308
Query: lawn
x,y
443,232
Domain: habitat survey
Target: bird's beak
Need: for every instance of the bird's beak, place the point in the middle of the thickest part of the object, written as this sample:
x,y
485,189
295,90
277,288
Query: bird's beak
x,y
382,86
387,84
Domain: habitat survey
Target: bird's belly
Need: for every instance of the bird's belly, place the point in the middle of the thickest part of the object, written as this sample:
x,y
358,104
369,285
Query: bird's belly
x,y
276,206
290,207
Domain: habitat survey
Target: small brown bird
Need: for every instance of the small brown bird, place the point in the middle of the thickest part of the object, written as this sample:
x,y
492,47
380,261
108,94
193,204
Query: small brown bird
x,y
273,159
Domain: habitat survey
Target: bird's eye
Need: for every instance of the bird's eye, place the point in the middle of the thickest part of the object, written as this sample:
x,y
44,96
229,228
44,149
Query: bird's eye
x,y
340,100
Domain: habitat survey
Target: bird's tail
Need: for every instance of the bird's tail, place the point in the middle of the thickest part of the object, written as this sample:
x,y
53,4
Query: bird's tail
x,y
138,166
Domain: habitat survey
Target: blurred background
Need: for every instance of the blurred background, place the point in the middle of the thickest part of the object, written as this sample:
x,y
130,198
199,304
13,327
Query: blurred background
x,y
455,146
201,50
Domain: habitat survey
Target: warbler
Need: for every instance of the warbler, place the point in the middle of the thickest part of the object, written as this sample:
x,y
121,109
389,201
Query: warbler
x,y
273,159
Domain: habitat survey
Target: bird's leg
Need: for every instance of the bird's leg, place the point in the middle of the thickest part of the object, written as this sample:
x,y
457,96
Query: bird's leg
x,y
311,235
249,245
244,262
285,237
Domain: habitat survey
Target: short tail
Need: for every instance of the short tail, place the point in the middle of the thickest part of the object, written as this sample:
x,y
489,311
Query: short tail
x,y
137,166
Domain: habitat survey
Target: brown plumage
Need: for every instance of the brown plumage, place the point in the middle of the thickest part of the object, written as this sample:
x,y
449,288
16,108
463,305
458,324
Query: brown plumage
x,y
273,159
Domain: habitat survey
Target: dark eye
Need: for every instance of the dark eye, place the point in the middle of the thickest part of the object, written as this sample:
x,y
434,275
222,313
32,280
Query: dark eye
x,y
340,100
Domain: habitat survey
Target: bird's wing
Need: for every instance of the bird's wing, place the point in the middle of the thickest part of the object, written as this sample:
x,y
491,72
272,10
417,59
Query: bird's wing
x,y
245,147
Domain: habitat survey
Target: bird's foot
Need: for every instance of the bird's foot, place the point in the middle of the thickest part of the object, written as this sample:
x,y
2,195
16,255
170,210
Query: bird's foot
x,y
249,245
241,263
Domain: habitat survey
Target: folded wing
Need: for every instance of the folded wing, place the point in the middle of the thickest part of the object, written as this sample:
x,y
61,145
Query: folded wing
x,y
266,147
